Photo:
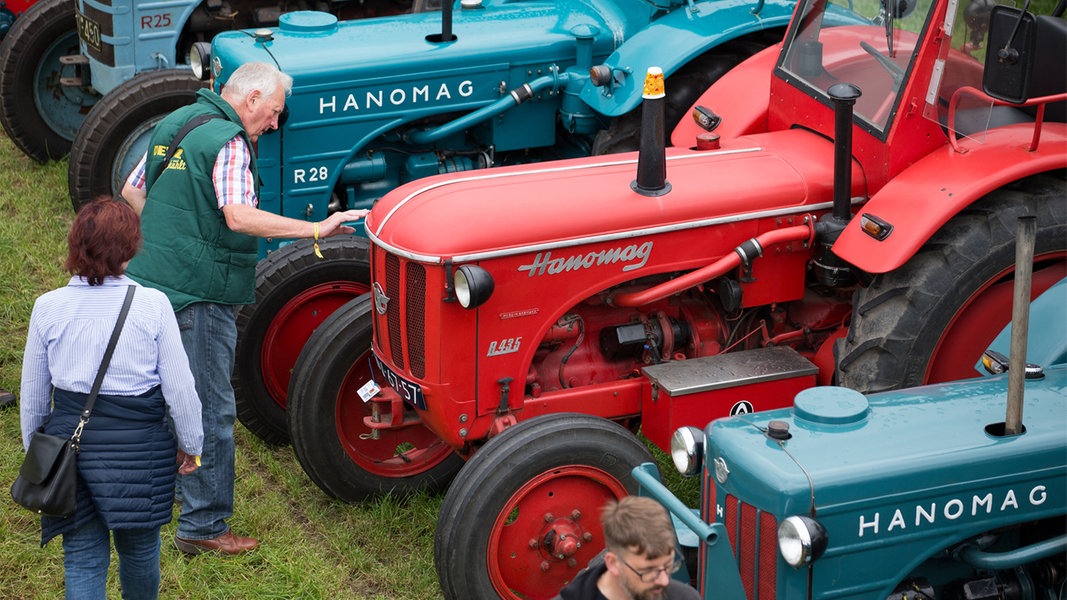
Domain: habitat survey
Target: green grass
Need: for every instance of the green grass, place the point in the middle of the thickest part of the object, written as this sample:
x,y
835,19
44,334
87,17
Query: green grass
x,y
311,546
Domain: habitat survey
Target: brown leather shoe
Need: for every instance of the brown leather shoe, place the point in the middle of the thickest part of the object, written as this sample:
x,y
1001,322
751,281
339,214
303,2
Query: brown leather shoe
x,y
227,543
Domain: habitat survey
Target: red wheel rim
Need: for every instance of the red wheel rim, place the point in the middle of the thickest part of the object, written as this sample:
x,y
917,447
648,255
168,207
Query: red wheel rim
x,y
982,317
563,502
291,327
400,452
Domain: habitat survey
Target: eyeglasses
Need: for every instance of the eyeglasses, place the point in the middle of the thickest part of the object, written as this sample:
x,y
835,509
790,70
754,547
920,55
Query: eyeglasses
x,y
651,574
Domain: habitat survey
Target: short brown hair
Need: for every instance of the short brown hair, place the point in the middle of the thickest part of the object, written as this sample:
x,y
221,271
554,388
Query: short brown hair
x,y
638,523
105,234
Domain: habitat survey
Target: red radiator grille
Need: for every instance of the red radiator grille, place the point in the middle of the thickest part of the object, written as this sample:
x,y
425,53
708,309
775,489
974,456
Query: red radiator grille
x,y
392,314
415,313
405,285
754,535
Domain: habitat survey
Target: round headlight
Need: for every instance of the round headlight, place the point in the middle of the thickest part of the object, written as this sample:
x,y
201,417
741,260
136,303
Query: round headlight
x,y
200,60
473,286
801,540
687,450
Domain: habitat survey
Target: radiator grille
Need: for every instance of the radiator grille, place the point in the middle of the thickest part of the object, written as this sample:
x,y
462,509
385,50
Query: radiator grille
x,y
753,533
392,315
415,318
405,316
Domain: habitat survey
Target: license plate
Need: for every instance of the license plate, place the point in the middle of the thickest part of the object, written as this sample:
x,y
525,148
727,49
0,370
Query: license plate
x,y
410,391
88,31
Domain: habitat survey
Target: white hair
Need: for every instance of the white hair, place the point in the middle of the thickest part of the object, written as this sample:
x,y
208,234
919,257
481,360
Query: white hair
x,y
256,77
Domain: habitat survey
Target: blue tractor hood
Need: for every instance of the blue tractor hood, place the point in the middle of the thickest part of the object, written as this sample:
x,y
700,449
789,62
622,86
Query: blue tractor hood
x,y
318,50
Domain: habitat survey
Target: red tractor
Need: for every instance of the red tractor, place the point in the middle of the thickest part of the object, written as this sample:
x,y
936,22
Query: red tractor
x,y
849,219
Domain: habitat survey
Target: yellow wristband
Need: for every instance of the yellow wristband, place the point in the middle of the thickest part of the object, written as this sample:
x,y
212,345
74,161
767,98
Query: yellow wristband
x,y
196,459
318,253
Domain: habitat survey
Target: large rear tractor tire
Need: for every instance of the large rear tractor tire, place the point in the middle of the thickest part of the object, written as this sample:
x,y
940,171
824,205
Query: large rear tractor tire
x,y
930,320
295,292
522,518
117,130
331,441
38,112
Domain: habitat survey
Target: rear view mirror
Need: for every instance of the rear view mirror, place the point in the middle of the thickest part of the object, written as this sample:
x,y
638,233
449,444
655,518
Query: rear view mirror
x,y
1009,55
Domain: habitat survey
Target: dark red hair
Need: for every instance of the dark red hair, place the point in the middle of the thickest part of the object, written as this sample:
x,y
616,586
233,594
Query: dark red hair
x,y
105,234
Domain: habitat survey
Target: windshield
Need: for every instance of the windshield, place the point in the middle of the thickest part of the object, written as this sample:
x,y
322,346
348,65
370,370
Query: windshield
x,y
868,43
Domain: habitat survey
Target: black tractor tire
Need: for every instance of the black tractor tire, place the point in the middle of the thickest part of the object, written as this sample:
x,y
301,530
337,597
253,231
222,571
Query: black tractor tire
x,y
930,320
682,88
325,413
40,114
547,476
295,292
117,130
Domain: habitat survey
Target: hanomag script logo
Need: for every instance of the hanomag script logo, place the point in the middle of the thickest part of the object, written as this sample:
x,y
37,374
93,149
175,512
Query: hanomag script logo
x,y
633,257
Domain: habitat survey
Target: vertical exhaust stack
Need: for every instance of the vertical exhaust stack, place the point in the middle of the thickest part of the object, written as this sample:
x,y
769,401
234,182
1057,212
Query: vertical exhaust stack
x,y
829,269
446,25
652,159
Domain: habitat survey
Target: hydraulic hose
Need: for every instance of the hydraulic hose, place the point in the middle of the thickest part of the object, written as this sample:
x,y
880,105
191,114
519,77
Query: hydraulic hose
x,y
718,268
555,80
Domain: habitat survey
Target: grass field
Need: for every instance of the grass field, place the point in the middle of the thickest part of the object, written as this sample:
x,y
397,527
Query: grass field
x,y
312,546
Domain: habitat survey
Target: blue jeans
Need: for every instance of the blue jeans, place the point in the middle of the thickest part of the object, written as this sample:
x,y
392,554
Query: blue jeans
x,y
87,555
209,334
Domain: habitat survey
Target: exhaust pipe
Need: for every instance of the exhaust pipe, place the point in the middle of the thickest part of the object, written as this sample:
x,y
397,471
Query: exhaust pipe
x,y
652,160
446,25
829,269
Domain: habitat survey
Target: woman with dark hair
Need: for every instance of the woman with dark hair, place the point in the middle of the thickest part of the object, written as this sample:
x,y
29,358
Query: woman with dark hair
x,y
127,464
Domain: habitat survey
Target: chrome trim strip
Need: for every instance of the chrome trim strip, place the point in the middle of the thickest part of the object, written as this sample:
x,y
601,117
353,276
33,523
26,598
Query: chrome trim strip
x,y
607,237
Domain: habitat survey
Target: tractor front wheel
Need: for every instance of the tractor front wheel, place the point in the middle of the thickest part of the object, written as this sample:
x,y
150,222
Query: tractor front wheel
x,y
930,320
337,450
38,110
522,518
116,132
295,292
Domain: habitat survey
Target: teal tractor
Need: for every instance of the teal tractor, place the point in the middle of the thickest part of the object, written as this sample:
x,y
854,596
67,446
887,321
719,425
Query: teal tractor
x,y
938,492
380,102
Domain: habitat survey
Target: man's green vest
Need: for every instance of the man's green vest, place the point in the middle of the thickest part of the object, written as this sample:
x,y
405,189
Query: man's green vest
x,y
189,253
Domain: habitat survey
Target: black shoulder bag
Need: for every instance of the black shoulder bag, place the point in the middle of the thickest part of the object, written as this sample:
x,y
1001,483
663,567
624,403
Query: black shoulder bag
x,y
47,481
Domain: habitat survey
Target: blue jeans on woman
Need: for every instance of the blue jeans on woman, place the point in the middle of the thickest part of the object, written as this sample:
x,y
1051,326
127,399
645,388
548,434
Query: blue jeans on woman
x,y
87,555
209,334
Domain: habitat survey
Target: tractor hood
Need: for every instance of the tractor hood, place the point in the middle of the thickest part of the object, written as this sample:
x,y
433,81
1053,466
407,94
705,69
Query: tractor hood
x,y
512,210
883,472
319,51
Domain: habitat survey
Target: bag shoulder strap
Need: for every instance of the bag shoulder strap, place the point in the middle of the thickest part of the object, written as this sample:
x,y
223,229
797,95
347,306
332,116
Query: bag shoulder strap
x,y
104,362
192,124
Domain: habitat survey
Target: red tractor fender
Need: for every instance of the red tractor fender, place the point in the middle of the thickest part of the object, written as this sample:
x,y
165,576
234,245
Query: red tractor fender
x,y
741,97
926,195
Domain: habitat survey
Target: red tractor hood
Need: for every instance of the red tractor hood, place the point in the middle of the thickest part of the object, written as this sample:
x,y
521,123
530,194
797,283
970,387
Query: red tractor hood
x,y
507,210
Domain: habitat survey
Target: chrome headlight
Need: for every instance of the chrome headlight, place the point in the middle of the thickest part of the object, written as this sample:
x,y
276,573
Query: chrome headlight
x,y
801,540
687,450
473,286
200,60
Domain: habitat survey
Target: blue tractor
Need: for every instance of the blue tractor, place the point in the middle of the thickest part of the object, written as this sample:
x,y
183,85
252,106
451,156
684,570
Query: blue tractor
x,y
61,58
939,492
380,102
